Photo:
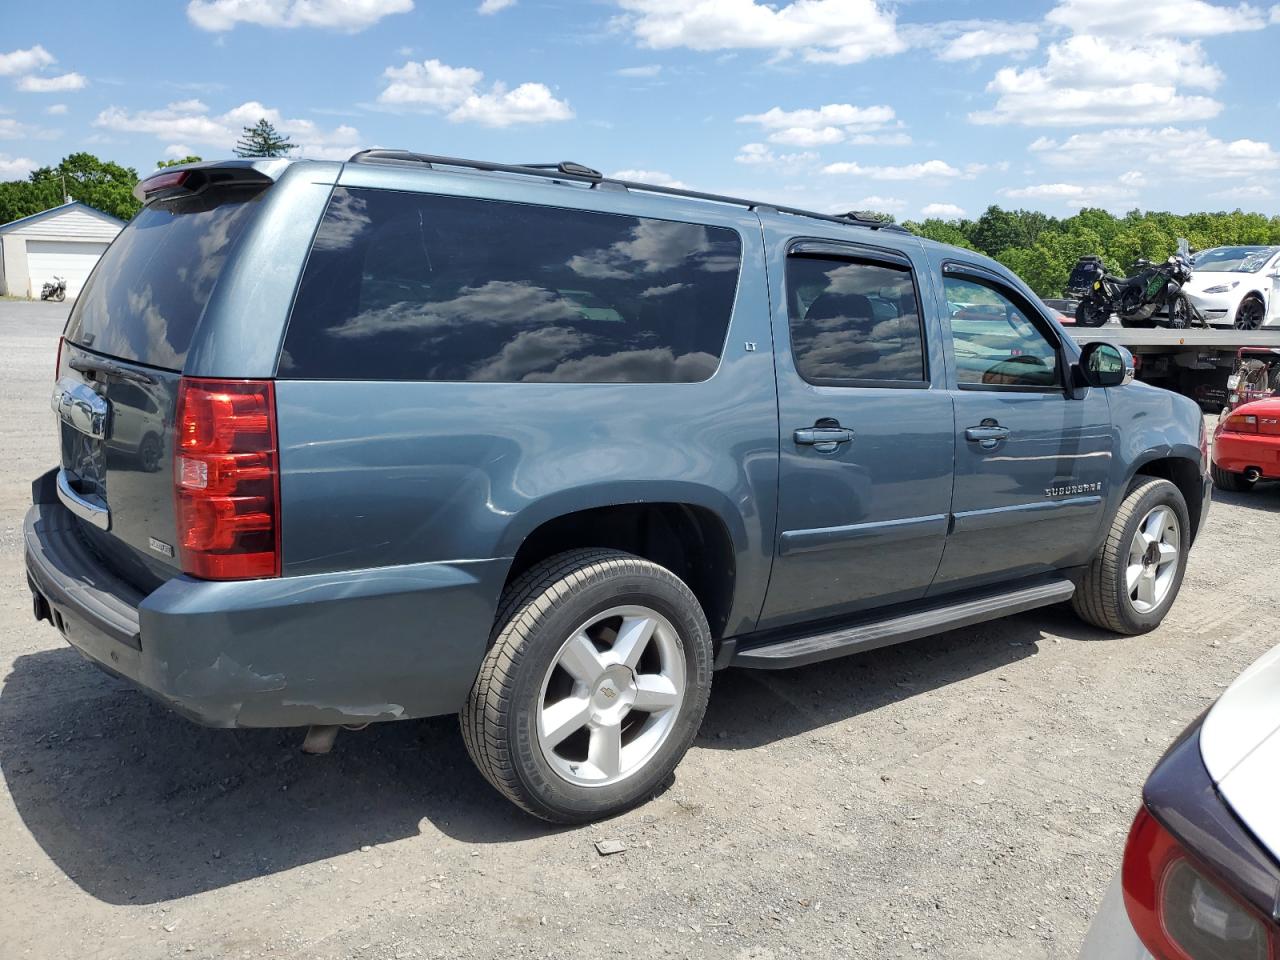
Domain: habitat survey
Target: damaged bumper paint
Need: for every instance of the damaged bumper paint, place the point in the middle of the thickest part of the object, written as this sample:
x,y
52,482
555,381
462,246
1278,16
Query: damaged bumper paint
x,y
350,647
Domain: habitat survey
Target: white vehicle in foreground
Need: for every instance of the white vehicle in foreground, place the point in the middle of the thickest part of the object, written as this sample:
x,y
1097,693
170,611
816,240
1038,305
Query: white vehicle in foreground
x,y
1201,872
1237,286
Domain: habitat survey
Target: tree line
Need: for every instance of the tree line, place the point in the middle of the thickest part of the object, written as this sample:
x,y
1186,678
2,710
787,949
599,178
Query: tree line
x,y
1042,249
108,186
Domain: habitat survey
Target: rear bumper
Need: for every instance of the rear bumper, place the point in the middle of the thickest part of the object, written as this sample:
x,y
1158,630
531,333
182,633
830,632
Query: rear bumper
x,y
350,647
1238,452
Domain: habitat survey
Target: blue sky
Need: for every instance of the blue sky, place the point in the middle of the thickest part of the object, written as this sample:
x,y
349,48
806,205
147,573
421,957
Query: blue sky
x,y
917,107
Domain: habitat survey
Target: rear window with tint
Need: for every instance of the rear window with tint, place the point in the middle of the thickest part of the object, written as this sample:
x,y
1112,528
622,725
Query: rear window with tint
x,y
405,286
150,288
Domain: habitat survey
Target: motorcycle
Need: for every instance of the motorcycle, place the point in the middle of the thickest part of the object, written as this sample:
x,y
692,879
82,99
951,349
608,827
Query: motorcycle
x,y
57,290
1156,288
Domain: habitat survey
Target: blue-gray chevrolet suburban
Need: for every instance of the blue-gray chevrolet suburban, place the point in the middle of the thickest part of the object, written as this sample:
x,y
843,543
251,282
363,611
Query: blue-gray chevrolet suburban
x,y
410,435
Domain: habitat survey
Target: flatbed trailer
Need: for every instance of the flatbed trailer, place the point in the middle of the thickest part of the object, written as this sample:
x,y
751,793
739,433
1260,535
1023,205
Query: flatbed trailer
x,y
1193,362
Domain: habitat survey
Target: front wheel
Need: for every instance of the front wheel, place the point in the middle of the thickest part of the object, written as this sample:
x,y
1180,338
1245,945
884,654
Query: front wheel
x,y
60,295
1250,314
594,687
1137,572
1090,313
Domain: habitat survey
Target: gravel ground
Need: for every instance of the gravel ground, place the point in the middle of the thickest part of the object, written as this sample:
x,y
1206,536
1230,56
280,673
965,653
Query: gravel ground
x,y
962,796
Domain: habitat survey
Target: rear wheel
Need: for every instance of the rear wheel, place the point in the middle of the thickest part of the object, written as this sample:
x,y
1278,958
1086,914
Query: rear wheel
x,y
594,688
1229,481
1250,313
1135,575
1179,313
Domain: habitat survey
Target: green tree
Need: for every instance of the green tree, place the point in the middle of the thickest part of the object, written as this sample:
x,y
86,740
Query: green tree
x,y
103,185
262,140
161,164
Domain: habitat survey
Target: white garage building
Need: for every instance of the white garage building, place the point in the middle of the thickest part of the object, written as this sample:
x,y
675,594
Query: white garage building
x,y
64,241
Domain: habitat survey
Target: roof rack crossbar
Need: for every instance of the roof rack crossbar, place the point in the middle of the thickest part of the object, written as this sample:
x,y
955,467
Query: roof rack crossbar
x,y
567,170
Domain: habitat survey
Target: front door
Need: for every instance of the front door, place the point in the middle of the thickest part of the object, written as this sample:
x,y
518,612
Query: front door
x,y
866,438
1032,461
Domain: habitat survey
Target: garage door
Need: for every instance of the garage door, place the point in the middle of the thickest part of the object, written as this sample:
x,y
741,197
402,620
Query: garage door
x,y
70,259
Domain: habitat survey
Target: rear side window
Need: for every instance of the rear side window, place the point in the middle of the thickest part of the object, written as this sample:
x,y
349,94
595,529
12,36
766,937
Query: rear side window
x,y
406,286
854,321
149,290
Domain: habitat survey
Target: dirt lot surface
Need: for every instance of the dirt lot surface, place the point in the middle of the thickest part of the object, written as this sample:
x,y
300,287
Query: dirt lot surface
x,y
962,796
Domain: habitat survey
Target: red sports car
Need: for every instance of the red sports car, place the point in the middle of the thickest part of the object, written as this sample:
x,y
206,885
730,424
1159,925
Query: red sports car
x,y
1246,446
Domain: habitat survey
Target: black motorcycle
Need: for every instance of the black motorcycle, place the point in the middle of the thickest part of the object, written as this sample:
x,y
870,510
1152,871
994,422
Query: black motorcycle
x,y
1151,297
56,290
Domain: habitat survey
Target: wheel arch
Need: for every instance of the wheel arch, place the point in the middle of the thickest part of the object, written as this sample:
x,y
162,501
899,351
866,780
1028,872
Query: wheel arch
x,y
689,530
1184,473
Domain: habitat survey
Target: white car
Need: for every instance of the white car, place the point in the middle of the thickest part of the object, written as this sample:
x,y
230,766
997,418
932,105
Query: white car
x,y
1201,873
1237,286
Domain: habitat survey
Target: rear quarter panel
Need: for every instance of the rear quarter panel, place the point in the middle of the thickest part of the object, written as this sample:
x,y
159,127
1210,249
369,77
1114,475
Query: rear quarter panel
x,y
384,473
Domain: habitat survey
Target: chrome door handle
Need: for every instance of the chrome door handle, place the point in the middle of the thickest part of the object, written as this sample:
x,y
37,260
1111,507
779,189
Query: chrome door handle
x,y
80,407
823,439
988,434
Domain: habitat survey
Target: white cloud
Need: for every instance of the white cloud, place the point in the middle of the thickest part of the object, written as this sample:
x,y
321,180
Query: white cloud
x,y
1182,154
493,6
189,121
1167,18
56,109
455,91
878,204
988,39
11,129
18,62
1088,80
176,151
16,168
648,70
1074,196
880,140
67,81
831,123
759,154
655,177
926,170
348,15
1133,178
1253,192
835,31
942,211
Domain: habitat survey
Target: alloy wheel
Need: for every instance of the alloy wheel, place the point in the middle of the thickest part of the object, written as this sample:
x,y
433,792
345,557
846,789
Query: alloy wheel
x,y
1153,559
611,696
1249,316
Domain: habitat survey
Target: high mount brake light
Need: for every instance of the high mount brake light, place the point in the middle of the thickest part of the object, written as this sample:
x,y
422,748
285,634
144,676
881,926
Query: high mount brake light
x,y
1182,911
227,480
161,182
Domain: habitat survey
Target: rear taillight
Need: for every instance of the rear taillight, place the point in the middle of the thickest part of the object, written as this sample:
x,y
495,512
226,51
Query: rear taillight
x,y
227,480
1179,909
1241,423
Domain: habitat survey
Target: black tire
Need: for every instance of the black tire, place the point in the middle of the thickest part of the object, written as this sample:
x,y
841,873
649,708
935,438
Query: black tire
x,y
150,452
60,296
538,612
1179,313
1102,595
1230,482
1090,314
1250,313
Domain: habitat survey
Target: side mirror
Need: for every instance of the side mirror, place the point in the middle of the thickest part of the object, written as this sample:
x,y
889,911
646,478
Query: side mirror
x,y
1105,365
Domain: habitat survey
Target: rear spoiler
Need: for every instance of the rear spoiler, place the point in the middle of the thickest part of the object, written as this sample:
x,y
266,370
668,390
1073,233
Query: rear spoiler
x,y
191,179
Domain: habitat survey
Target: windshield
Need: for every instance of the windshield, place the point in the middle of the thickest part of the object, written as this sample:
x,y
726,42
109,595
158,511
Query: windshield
x,y
150,288
1234,259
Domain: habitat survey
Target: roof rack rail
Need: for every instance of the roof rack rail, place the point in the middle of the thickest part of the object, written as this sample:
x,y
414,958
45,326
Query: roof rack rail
x,y
568,170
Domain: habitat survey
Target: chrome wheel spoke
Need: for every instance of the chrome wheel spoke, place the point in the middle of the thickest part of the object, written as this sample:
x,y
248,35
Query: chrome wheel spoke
x,y
563,718
1152,564
580,658
1168,554
633,637
1146,591
605,751
654,693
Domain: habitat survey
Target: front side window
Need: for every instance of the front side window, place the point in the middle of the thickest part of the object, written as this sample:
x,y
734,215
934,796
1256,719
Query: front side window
x,y
996,344
854,321
406,286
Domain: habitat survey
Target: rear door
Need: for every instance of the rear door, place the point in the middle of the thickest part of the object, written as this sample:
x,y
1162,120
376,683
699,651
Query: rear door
x,y
1032,461
125,346
866,437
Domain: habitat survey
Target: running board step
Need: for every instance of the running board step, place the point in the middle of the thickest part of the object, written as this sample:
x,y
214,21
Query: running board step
x,y
797,652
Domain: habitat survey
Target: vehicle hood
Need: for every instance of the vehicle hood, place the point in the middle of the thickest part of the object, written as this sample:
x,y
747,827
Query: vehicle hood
x,y
1240,747
1212,278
